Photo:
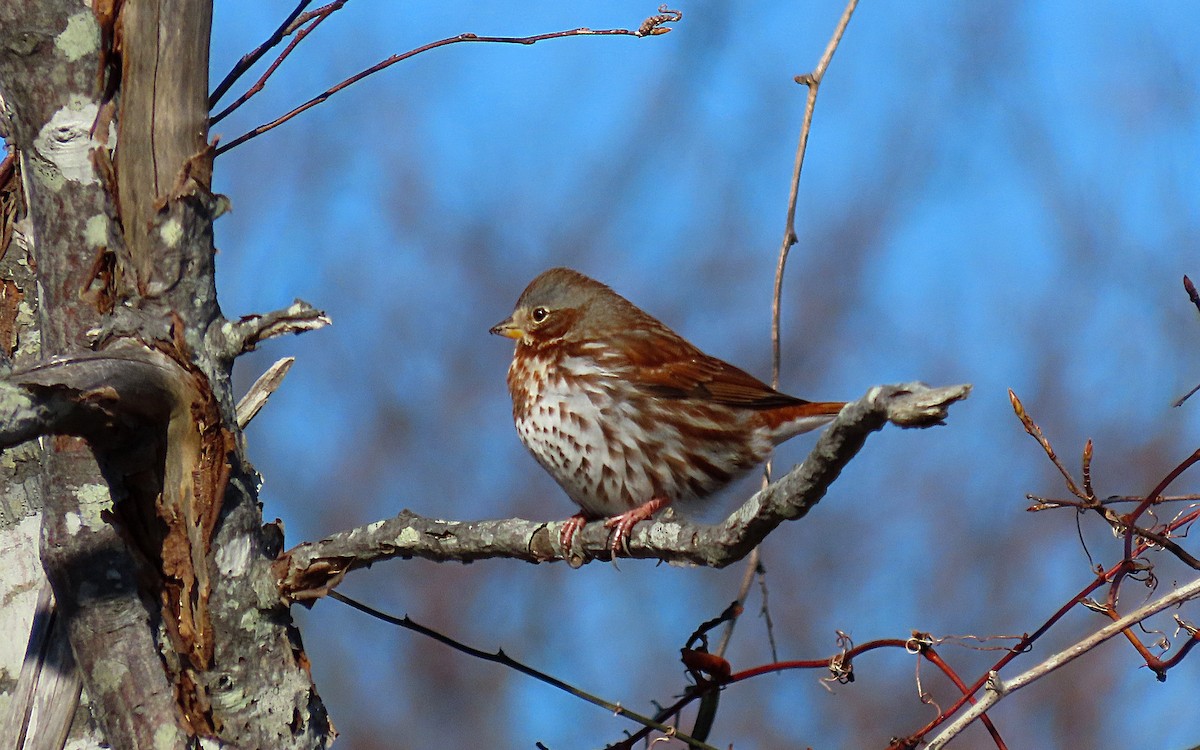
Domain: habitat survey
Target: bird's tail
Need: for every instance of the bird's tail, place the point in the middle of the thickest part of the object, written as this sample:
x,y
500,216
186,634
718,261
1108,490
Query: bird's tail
x,y
793,419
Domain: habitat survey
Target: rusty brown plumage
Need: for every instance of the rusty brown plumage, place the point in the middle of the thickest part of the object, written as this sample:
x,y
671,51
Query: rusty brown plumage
x,y
626,415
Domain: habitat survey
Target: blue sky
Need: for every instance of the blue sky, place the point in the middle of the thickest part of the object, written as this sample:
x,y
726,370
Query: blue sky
x,y
1004,194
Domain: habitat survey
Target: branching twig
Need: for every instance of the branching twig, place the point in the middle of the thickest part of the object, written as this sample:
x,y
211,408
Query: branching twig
x,y
1040,503
652,26
255,55
840,666
1154,497
1112,575
1023,644
998,688
316,16
1036,433
1125,524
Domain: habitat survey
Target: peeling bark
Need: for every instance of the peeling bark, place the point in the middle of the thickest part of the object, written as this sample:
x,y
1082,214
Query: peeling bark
x,y
151,532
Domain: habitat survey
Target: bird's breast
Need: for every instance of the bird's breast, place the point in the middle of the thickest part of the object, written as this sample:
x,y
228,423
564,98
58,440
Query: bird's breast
x,y
612,446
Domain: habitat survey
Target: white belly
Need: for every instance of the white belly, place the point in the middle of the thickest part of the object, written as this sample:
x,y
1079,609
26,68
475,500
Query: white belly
x,y
589,444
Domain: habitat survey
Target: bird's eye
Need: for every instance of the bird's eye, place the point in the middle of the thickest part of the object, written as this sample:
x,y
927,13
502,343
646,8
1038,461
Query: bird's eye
x,y
539,314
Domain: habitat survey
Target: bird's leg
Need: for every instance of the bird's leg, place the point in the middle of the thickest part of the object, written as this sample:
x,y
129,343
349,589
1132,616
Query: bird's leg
x,y
623,524
571,526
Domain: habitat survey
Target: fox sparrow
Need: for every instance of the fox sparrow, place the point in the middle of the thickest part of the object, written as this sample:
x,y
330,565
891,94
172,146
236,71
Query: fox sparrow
x,y
626,415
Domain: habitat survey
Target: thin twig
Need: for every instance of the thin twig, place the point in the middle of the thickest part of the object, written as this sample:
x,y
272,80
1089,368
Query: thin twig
x,y
499,657
1050,503
652,26
318,15
813,82
1036,433
752,565
256,54
763,590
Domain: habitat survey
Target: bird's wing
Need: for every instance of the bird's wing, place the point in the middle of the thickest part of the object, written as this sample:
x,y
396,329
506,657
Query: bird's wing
x,y
671,367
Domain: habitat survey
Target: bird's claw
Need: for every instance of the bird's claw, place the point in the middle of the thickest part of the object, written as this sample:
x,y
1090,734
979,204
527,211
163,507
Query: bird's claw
x,y
570,528
622,526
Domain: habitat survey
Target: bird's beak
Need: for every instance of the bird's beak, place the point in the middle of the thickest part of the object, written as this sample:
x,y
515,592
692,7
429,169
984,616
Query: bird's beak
x,y
507,328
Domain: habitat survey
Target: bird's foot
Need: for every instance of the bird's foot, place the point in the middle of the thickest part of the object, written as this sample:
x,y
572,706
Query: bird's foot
x,y
622,526
570,528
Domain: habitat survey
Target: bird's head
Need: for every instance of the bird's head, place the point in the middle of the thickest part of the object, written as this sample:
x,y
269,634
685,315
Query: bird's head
x,y
562,305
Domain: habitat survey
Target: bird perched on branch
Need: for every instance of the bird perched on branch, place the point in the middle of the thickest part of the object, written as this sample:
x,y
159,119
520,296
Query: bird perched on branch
x,y
626,415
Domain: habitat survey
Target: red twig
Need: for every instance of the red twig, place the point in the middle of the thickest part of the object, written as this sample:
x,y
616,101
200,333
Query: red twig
x,y
1152,498
1160,666
1021,647
652,26
317,16
936,659
256,54
841,667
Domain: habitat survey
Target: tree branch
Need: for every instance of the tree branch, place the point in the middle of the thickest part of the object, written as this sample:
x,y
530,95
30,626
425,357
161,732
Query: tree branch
x,y
233,338
267,383
312,569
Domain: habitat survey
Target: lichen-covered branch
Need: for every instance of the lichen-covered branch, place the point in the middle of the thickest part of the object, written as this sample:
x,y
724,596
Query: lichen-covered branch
x,y
237,337
311,569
